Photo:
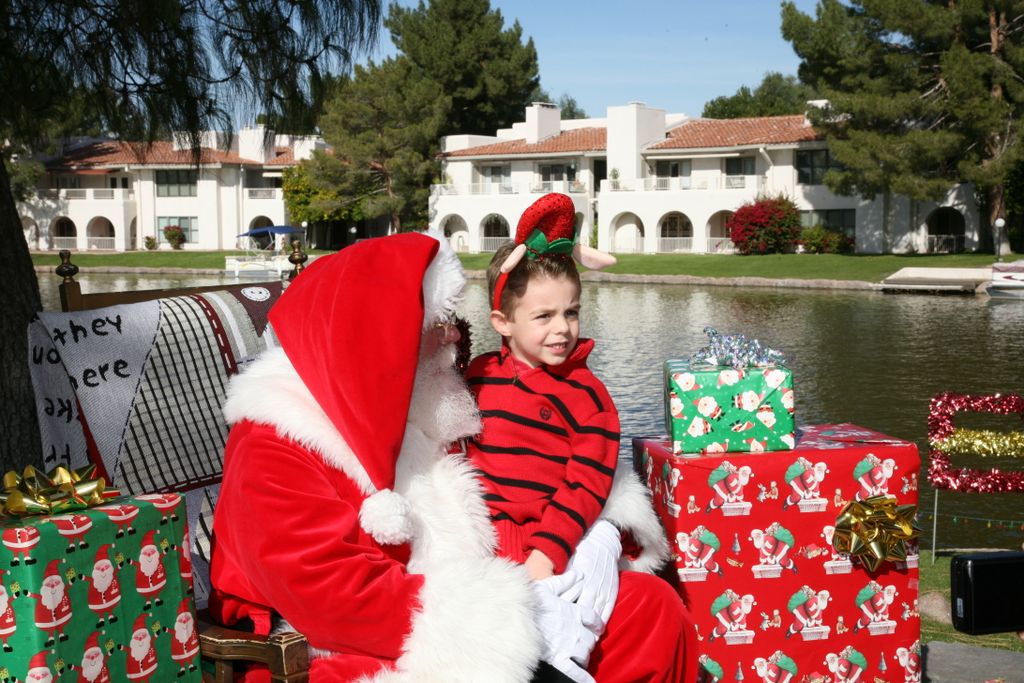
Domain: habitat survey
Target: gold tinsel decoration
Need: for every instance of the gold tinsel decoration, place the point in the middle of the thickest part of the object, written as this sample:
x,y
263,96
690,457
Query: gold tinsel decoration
x,y
982,442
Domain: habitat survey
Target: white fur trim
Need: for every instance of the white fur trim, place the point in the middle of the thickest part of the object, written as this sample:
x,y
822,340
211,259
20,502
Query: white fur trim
x,y
629,508
385,516
443,282
269,391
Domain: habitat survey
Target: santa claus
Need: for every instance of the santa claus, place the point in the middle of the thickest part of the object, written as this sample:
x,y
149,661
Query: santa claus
x,y
141,662
731,610
342,511
94,663
73,528
7,621
150,575
184,639
38,669
166,503
53,606
122,516
20,540
185,560
104,588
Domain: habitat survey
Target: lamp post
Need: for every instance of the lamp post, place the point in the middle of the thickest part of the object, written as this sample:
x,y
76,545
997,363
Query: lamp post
x,y
997,238
305,235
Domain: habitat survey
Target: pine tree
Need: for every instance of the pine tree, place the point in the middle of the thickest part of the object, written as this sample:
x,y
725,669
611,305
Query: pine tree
x,y
463,47
777,95
923,94
142,70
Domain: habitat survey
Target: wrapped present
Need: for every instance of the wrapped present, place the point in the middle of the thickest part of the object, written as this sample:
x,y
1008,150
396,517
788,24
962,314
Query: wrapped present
x,y
99,591
717,409
797,566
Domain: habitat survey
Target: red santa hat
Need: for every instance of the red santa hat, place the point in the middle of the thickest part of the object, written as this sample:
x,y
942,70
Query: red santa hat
x,y
140,623
52,569
148,539
548,226
93,641
102,553
39,661
185,606
369,304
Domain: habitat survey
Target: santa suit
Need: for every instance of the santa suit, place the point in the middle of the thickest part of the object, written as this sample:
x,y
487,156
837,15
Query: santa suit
x,y
104,601
7,625
72,527
184,651
52,619
397,582
149,585
141,669
21,540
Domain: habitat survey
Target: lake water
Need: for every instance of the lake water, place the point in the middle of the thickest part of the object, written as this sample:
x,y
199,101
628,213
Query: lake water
x,y
867,358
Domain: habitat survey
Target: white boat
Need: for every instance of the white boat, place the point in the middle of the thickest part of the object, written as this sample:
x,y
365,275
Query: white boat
x,y
1007,280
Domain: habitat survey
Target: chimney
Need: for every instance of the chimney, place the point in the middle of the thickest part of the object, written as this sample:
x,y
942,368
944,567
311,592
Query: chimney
x,y
543,120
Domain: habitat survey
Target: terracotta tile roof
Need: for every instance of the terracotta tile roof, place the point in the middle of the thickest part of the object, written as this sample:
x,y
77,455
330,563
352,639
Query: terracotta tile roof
x,y
714,133
283,156
577,140
115,153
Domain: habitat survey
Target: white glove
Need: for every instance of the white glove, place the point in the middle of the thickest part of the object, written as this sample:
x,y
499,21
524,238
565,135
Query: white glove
x,y
597,562
566,641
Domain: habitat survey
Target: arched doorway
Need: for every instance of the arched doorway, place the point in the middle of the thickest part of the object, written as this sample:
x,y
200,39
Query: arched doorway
x,y
627,234
64,234
719,240
99,234
261,241
457,232
133,232
945,231
495,232
578,228
31,230
675,233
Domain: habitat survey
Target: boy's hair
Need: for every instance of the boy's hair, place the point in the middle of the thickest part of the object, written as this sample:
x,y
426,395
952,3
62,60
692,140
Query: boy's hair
x,y
553,266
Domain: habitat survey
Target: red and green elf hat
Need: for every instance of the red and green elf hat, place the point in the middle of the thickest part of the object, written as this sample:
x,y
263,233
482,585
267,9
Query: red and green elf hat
x,y
548,227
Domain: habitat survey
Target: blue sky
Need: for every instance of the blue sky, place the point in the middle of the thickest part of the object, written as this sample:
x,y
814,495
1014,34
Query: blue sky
x,y
671,54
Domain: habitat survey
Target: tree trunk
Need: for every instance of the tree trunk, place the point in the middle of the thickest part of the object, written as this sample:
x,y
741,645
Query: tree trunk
x,y
19,291
997,209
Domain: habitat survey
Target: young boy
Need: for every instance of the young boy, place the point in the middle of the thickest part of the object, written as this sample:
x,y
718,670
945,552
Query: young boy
x,y
550,438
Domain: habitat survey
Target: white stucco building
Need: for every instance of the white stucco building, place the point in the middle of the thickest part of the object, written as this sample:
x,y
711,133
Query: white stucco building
x,y
104,194
655,182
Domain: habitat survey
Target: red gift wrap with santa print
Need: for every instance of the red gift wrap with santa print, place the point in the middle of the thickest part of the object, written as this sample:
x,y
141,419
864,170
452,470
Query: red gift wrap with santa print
x,y
752,533
98,595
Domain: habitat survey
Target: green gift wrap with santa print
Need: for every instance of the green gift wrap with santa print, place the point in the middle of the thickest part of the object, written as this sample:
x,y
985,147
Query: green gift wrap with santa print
x,y
718,409
98,595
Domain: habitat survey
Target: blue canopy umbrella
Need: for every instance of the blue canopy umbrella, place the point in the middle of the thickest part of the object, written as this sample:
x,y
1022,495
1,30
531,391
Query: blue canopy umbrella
x,y
272,230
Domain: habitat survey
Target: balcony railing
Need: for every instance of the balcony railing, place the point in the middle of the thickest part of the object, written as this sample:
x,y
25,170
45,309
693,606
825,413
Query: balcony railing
x,y
495,188
100,243
610,185
636,248
264,193
563,186
678,183
65,242
97,193
492,243
945,244
720,245
668,245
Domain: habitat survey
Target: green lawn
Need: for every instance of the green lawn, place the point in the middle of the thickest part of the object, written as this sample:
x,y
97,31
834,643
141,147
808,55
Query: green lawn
x,y
935,577
799,266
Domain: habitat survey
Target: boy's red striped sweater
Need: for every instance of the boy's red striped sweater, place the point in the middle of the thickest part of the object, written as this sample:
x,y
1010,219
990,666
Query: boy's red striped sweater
x,y
548,448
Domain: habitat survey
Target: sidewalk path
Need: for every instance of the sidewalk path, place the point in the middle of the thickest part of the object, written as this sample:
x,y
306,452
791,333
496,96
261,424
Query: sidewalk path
x,y
959,663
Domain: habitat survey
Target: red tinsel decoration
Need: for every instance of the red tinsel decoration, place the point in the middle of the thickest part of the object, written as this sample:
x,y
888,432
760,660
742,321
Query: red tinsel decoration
x,y
941,472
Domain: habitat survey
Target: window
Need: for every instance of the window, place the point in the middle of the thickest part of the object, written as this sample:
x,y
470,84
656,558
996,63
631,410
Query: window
x,y
552,172
667,169
811,165
188,224
838,220
68,182
739,166
176,183
497,176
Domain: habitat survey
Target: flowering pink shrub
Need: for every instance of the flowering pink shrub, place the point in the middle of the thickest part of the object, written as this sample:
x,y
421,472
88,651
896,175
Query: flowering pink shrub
x,y
767,225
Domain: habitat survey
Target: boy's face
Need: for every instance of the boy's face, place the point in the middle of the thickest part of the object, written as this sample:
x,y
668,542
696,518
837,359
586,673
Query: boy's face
x,y
545,323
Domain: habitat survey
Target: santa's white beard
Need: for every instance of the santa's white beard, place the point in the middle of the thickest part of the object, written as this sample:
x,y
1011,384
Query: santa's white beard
x,y
39,675
442,407
183,629
102,578
4,601
149,560
92,663
51,595
140,646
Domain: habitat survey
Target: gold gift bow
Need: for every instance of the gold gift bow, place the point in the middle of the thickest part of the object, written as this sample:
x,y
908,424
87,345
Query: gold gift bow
x,y
875,530
60,490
